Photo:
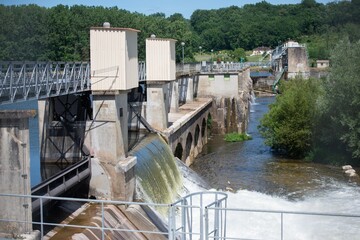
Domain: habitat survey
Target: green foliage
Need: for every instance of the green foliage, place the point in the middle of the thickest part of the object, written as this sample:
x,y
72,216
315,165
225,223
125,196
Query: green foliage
x,y
341,102
288,125
237,137
320,119
61,33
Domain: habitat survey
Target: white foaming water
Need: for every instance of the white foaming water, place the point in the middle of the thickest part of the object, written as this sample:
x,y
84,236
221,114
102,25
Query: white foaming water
x,y
342,199
253,102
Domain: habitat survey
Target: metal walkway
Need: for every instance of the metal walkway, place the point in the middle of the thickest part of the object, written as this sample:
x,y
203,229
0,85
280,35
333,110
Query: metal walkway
x,y
61,182
22,81
36,80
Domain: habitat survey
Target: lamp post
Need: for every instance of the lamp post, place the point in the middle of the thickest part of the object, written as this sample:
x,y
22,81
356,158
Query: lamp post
x,y
212,50
200,47
182,45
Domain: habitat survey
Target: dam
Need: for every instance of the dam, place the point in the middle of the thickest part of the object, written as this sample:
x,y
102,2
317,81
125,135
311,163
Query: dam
x,y
121,125
88,116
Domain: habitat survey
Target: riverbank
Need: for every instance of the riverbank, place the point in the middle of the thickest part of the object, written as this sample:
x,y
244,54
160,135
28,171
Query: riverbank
x,y
251,166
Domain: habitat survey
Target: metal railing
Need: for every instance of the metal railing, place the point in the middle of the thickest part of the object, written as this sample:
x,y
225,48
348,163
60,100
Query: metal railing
x,y
21,81
191,222
274,223
225,67
183,221
278,78
36,80
204,216
61,182
188,68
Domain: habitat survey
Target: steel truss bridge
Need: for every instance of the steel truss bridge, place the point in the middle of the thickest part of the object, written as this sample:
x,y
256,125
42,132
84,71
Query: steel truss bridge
x,y
22,81
35,80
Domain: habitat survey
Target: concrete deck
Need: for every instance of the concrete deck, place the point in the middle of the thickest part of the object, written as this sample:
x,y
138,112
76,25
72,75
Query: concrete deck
x,y
185,113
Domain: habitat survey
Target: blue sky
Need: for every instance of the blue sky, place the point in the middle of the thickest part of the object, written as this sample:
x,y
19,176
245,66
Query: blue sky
x,y
185,7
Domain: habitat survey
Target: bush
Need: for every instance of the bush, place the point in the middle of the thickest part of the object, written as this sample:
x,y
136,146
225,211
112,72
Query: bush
x,y
288,126
237,137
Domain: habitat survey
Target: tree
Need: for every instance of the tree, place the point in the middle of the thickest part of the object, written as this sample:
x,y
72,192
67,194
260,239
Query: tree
x,y
239,53
342,98
288,126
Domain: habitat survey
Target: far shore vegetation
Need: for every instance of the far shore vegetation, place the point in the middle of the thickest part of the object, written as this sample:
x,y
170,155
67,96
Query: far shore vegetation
x,y
319,119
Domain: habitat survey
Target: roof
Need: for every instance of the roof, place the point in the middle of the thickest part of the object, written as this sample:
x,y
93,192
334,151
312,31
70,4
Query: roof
x,y
115,28
262,49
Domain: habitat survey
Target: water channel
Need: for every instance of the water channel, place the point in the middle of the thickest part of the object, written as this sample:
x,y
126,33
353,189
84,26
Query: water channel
x,y
259,179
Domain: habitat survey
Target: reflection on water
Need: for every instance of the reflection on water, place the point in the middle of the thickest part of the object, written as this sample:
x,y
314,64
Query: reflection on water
x,y
250,165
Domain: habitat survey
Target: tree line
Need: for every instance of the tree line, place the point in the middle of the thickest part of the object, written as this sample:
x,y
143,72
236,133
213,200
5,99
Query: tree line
x,y
320,119
61,33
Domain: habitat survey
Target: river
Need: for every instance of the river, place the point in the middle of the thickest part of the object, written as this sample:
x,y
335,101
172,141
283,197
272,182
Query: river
x,y
261,180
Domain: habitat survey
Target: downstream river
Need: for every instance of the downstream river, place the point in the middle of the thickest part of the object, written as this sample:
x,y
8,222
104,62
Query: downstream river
x,y
258,179
251,165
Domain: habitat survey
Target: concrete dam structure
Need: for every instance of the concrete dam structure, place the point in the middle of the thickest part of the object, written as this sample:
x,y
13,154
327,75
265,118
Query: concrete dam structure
x,y
180,109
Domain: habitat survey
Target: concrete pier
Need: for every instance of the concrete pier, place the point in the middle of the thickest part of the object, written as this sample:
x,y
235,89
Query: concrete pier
x,y
114,72
160,72
15,172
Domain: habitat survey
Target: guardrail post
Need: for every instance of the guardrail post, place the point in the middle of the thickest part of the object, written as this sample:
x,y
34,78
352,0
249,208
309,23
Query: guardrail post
x,y
282,226
183,218
216,230
102,221
170,224
41,218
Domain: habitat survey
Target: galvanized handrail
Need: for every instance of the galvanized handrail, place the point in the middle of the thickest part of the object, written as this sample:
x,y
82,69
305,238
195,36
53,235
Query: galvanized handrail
x,y
280,212
187,205
102,228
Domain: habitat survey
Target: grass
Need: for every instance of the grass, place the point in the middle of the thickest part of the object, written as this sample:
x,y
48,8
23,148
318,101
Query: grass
x,y
203,57
237,137
254,58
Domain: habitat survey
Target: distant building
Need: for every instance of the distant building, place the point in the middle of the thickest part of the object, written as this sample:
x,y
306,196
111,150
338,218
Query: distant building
x,y
322,63
261,51
292,43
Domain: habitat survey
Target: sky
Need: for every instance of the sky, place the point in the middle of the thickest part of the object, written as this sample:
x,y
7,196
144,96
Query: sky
x,y
169,7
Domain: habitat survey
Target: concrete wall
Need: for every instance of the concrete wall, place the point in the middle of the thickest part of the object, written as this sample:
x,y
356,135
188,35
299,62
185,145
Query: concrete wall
x,y
297,62
218,85
112,168
15,172
263,84
157,106
190,134
231,94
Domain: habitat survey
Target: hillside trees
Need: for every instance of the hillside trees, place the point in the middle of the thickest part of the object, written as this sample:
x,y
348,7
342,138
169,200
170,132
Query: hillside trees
x,y
22,32
61,33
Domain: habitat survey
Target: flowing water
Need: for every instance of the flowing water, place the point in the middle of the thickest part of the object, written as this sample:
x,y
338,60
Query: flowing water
x,y
261,180
157,177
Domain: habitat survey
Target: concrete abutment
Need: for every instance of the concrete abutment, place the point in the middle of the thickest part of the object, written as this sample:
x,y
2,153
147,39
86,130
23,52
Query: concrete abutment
x,y
15,173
